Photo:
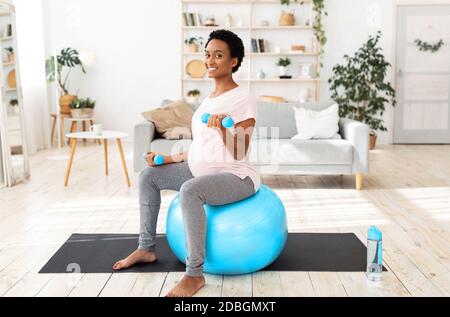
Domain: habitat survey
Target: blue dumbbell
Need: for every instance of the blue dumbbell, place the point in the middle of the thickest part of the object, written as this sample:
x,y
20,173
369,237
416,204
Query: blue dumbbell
x,y
158,159
226,122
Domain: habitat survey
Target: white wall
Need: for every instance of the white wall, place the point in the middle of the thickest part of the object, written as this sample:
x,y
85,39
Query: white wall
x,y
30,42
137,44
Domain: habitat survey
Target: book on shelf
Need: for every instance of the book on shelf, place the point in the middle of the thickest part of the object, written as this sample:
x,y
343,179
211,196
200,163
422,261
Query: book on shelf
x,y
259,46
192,19
262,48
254,46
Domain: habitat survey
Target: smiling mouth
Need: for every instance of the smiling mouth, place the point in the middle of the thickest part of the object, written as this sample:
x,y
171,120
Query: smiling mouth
x,y
212,69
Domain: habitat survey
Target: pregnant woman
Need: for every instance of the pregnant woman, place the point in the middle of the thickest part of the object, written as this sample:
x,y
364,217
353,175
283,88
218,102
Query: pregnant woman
x,y
215,171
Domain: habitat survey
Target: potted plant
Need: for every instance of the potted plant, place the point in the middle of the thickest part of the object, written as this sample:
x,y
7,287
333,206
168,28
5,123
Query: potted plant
x,y
193,96
282,64
194,43
68,58
360,87
82,108
14,104
10,54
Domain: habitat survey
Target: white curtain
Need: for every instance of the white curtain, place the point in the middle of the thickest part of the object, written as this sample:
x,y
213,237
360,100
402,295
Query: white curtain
x,y
30,36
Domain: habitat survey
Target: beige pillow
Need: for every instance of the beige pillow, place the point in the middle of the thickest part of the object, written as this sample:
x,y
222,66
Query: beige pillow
x,y
172,121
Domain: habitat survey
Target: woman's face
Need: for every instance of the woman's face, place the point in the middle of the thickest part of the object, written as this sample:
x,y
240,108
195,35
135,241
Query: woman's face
x,y
218,59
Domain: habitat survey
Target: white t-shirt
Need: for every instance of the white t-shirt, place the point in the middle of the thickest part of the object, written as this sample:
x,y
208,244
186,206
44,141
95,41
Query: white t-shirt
x,y
208,153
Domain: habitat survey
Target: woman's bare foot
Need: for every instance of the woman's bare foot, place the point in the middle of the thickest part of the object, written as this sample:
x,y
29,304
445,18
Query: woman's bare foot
x,y
138,256
187,287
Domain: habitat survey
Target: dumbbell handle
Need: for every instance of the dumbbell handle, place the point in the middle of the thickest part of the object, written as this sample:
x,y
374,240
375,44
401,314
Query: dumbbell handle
x,y
226,122
158,159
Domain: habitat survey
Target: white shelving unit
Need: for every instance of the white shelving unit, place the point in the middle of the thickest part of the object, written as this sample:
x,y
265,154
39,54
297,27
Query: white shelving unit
x,y
251,13
14,154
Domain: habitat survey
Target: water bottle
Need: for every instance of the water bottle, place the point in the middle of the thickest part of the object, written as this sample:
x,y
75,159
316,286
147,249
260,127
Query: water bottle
x,y
374,254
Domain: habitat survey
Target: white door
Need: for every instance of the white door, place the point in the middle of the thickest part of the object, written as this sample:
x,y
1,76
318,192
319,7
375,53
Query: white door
x,y
423,77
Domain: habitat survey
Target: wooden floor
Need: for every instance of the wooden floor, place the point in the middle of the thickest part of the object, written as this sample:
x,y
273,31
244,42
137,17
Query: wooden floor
x,y
407,194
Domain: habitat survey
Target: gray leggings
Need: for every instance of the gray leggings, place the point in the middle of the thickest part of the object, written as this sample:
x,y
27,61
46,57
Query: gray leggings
x,y
214,190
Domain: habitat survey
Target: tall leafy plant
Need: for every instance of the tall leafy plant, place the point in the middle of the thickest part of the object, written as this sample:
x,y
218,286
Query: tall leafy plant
x,y
360,87
68,58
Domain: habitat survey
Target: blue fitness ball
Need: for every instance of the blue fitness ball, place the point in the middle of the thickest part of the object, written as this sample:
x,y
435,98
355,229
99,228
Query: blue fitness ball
x,y
241,238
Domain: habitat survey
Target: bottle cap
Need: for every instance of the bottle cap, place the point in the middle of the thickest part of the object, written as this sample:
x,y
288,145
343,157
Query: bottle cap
x,y
374,233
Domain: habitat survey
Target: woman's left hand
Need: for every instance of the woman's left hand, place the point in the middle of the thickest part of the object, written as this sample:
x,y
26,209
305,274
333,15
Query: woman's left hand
x,y
215,121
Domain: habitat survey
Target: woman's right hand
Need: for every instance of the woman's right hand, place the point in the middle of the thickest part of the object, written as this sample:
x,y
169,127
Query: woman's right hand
x,y
151,157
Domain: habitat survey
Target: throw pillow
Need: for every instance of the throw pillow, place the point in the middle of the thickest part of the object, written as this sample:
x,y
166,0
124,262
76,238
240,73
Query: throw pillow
x,y
173,120
317,124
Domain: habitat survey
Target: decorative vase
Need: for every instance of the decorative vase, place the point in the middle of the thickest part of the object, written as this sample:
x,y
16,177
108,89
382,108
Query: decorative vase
x,y
193,48
229,21
287,19
261,75
373,140
64,103
192,99
282,70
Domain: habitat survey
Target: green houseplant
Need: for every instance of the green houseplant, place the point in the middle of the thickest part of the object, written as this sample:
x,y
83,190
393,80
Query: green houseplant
x,y
360,87
194,43
82,108
282,64
68,59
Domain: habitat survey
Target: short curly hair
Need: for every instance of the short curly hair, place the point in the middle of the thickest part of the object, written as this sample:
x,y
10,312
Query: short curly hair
x,y
234,42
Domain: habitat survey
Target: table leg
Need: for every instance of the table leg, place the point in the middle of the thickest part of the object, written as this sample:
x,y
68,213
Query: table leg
x,y
61,127
105,141
96,141
73,145
124,164
84,130
73,128
53,130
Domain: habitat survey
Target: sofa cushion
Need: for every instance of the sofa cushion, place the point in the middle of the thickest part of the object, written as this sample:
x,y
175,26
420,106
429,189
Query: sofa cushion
x,y
169,147
301,152
278,119
313,124
282,151
173,120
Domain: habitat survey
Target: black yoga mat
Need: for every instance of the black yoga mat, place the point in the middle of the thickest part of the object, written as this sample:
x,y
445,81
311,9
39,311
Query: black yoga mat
x,y
311,252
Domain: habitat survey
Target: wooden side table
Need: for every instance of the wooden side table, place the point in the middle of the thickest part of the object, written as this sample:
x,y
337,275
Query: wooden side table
x,y
105,136
74,126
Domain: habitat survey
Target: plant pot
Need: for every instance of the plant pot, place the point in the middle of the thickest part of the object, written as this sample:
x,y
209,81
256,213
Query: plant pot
x,y
192,99
287,19
372,140
10,57
282,70
64,103
84,113
193,48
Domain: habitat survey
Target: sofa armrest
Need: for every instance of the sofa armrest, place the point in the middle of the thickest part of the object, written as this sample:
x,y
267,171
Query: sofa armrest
x,y
144,134
357,134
